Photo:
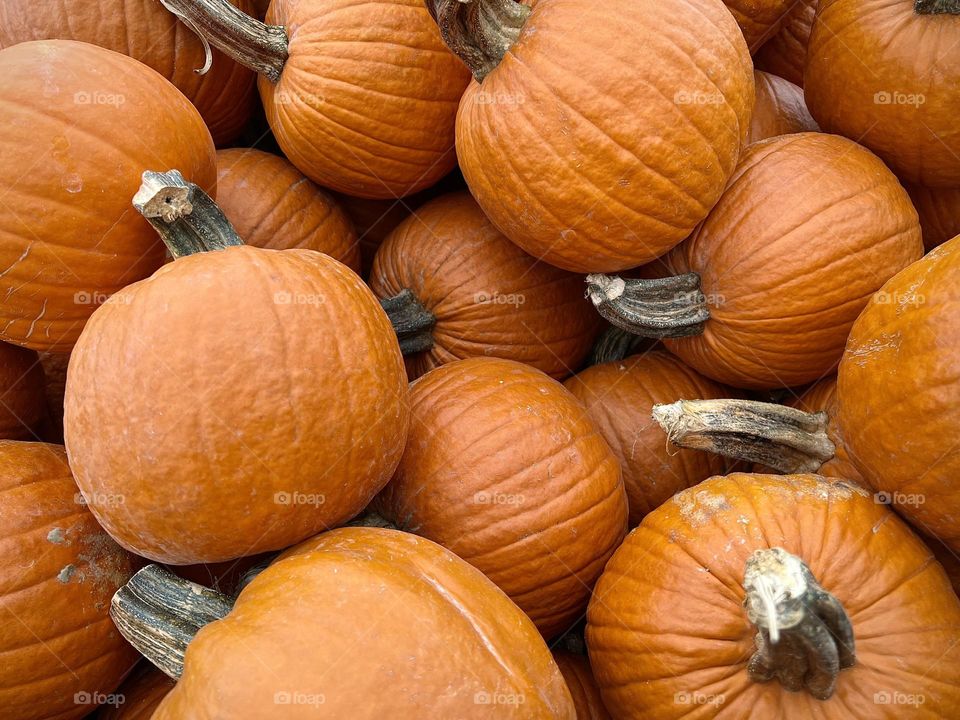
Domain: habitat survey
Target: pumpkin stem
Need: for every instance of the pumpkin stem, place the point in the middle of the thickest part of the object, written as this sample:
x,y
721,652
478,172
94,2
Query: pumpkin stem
x,y
777,436
937,7
184,216
412,322
159,614
479,32
255,45
613,345
661,308
804,636
372,519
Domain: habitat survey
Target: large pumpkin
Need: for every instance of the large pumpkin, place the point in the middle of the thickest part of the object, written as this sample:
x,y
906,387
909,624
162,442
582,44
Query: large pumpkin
x,y
773,596
583,688
62,655
779,109
592,138
785,54
504,467
139,696
478,294
887,74
939,210
23,408
81,124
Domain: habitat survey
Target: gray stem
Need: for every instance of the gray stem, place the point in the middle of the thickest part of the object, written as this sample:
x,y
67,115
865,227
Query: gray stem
x,y
660,308
937,7
614,344
412,322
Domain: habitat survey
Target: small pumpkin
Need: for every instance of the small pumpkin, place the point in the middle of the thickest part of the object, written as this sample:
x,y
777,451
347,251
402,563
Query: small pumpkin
x,y
759,20
785,54
778,597
23,408
939,210
583,688
474,293
58,571
779,109
504,467
273,205
139,696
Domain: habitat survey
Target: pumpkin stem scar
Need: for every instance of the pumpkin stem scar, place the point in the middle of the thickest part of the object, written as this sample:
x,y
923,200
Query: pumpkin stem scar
x,y
937,7
804,636
412,322
612,345
661,308
159,614
479,32
184,216
780,437
260,47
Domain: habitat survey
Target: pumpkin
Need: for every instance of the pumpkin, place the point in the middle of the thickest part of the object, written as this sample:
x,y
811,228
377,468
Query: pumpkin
x,y
775,597
73,155
272,205
619,397
22,398
62,654
779,109
759,21
504,467
141,694
785,54
583,688
786,261
146,32
939,210
354,623
859,84
361,96
260,395
592,138
475,293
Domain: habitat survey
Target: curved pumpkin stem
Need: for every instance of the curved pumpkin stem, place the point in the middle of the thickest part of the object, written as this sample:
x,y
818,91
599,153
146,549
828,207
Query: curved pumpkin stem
x,y
661,308
159,614
937,7
804,636
777,436
614,344
479,32
412,322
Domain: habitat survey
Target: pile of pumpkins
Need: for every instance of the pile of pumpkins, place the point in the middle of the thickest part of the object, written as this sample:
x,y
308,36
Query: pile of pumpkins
x,y
479,359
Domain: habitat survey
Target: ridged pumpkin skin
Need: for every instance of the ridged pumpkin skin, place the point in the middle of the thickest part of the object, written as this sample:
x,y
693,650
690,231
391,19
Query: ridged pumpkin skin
x,y
822,397
146,31
505,468
897,387
939,210
58,571
367,623
272,205
142,694
260,395
489,297
600,140
809,228
68,234
889,78
583,688
368,97
785,54
23,401
779,109
759,19
666,623
619,397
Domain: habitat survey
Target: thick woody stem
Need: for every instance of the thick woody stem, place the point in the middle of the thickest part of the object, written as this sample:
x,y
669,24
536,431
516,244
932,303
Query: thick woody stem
x,y
777,436
804,636
412,322
661,308
937,7
615,344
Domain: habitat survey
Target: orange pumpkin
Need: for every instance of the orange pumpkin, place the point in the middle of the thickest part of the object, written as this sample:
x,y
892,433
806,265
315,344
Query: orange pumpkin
x,y
141,694
785,54
779,109
272,205
81,124
504,467
583,688
773,596
759,19
22,397
479,294
62,654
585,166
146,32
939,210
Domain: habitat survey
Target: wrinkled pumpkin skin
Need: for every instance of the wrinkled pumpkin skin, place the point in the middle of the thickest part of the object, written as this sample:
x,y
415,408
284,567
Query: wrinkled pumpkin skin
x,y
790,256
68,234
785,54
142,693
489,297
272,205
282,404
779,109
58,571
939,210
583,688
596,170
22,396
668,636
505,468
898,388
368,96
369,624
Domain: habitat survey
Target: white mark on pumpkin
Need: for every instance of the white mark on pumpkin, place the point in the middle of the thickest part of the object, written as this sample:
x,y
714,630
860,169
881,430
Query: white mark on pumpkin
x,y
72,183
56,536
880,344
67,573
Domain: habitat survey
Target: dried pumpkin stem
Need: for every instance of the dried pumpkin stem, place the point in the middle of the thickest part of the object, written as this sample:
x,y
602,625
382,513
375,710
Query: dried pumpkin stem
x,y
614,344
777,436
660,308
412,322
479,32
253,44
159,614
804,636
937,7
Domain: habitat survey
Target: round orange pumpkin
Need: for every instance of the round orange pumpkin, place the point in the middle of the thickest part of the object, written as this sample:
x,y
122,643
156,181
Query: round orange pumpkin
x,y
61,653
825,573
785,54
939,210
23,407
504,467
81,124
272,205
583,688
779,109
139,696
481,295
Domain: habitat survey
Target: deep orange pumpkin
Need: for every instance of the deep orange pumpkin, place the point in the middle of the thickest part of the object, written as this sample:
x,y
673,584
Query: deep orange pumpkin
x,y
785,54
583,688
779,109
141,694
22,397
939,210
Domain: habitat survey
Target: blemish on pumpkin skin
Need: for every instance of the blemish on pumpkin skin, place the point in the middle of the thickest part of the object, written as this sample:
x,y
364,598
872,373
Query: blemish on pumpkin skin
x,y
66,573
860,355
56,536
